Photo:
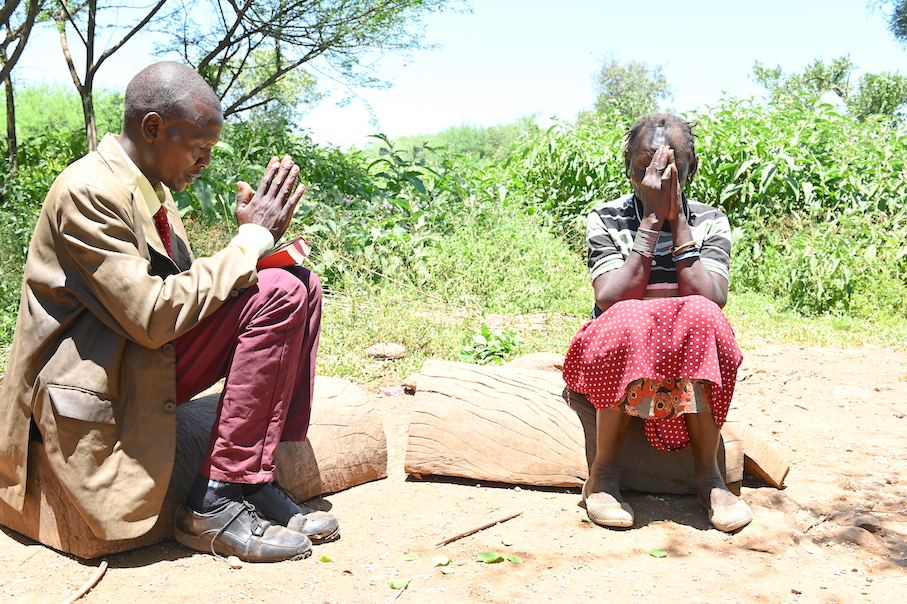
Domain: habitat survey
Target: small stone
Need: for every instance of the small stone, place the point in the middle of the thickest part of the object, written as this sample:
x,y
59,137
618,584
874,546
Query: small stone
x,y
386,351
234,562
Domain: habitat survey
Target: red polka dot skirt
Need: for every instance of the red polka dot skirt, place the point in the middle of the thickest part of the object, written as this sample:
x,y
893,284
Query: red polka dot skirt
x,y
660,338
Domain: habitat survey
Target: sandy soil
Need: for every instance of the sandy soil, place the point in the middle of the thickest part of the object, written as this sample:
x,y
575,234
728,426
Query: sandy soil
x,y
837,533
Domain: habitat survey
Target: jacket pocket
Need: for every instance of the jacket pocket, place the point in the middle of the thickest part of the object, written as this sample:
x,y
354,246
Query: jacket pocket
x,y
82,405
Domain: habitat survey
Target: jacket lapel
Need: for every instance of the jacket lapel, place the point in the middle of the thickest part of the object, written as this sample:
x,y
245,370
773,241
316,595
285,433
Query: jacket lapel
x,y
146,230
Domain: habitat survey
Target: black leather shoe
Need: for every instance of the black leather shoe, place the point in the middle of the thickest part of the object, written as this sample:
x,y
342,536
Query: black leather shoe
x,y
273,503
237,530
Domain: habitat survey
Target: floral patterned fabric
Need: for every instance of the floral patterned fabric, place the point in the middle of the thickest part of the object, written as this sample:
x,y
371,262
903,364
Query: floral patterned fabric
x,y
663,399
665,340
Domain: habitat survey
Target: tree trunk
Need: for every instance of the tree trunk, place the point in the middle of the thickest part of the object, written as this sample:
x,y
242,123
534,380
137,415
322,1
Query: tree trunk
x,y
12,141
91,125
12,147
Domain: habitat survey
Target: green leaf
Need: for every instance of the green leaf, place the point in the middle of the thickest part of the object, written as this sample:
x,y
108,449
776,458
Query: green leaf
x,y
205,194
513,559
325,559
399,583
441,561
409,556
490,558
658,553
743,168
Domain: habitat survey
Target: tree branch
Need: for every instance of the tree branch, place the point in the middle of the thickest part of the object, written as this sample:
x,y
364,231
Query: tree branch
x,y
21,33
131,33
9,6
64,43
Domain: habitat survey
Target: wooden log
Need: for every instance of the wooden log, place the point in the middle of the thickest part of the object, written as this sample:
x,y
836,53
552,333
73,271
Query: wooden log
x,y
543,361
512,425
762,461
346,446
645,468
494,423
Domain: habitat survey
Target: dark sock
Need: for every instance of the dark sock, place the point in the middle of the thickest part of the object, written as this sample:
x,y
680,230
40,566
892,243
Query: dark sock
x,y
208,495
252,489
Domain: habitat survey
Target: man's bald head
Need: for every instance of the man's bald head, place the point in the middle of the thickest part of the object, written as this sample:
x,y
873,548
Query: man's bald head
x,y
169,89
173,119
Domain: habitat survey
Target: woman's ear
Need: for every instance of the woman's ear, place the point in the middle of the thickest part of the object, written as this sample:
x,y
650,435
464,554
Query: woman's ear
x,y
693,166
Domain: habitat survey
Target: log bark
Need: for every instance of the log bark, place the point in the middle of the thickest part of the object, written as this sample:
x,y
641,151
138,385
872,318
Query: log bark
x,y
346,446
500,424
512,425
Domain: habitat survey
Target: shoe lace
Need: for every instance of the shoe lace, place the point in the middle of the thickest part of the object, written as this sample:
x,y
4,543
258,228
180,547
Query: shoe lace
x,y
257,525
284,491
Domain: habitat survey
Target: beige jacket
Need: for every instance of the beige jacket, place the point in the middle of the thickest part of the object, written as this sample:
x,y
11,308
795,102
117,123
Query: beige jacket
x,y
92,360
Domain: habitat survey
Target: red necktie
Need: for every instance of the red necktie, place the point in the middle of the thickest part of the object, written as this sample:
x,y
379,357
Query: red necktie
x,y
163,228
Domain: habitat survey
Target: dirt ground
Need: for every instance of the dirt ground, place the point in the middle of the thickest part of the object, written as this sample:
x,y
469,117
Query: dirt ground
x,y
837,533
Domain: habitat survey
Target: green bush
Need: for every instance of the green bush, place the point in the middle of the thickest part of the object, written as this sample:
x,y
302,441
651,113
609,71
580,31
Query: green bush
x,y
854,262
565,171
489,346
770,161
815,199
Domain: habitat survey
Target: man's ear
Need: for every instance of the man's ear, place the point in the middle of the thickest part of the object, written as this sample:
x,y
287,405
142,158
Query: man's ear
x,y
151,126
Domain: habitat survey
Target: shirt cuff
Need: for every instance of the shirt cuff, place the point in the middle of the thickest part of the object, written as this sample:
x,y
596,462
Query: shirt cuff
x,y
253,240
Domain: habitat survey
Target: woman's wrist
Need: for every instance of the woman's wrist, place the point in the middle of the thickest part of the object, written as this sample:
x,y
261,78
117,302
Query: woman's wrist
x,y
650,222
680,231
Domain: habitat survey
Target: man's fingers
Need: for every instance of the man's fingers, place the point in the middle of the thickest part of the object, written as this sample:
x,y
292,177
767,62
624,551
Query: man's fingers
x,y
268,176
297,195
244,193
283,182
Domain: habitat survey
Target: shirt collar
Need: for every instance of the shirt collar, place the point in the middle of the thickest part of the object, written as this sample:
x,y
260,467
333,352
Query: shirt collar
x,y
153,196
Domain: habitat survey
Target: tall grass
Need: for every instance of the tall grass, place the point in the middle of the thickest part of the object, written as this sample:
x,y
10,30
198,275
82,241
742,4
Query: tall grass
x,y
423,245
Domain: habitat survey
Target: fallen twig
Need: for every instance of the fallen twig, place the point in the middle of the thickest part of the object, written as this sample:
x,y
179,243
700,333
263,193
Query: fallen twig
x,y
399,593
476,530
815,524
102,568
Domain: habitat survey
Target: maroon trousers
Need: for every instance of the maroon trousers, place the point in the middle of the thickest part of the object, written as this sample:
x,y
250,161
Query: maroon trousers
x,y
264,341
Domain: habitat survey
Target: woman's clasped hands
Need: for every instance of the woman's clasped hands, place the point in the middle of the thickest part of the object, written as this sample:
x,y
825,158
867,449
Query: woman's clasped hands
x,y
660,190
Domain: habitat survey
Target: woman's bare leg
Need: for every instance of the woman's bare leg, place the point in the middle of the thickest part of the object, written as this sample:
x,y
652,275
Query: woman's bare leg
x,y
704,438
603,485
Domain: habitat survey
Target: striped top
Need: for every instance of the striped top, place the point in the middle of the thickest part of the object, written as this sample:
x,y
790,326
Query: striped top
x,y
611,228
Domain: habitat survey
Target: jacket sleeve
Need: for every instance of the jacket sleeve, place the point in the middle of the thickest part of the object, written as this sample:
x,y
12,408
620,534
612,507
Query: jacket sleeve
x,y
106,262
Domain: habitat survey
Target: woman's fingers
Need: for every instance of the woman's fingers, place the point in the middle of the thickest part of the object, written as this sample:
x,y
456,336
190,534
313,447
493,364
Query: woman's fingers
x,y
673,187
660,160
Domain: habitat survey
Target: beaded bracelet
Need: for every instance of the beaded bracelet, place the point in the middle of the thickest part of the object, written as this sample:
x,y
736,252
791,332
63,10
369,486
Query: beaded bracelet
x,y
686,255
645,242
683,248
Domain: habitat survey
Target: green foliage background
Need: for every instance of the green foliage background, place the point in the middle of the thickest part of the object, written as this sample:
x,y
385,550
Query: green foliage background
x,y
476,221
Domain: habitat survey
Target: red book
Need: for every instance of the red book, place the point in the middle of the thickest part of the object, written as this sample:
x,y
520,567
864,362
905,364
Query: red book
x,y
290,253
